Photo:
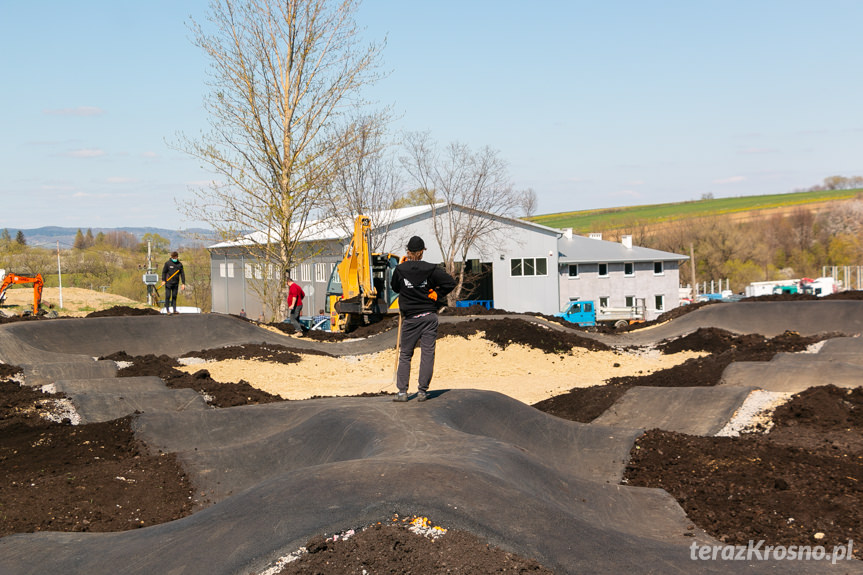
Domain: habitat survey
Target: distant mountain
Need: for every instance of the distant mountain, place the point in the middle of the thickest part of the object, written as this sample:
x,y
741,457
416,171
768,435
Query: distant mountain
x,y
48,236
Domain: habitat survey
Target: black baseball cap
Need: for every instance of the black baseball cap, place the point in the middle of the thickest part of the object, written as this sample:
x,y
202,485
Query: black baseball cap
x,y
416,244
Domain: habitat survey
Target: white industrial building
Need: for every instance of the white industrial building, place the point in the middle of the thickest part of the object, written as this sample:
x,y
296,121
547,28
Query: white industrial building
x,y
528,267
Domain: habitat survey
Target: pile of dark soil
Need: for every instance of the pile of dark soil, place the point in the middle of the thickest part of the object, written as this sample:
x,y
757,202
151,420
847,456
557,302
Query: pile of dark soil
x,y
122,310
783,487
471,310
842,295
95,477
17,318
381,326
217,394
507,331
585,404
392,548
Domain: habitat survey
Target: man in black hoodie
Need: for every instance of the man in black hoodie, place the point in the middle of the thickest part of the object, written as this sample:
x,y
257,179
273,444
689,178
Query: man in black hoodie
x,y
174,278
422,289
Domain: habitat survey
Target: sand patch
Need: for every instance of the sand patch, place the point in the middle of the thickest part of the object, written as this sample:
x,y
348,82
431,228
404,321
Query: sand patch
x,y
523,373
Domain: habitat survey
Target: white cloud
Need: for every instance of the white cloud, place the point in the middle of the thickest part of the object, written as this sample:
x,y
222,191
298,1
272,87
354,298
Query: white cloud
x,y
89,195
57,188
731,180
150,155
626,194
120,180
79,111
85,153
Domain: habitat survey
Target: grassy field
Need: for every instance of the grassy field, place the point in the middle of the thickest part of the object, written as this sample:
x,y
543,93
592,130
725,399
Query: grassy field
x,y
616,218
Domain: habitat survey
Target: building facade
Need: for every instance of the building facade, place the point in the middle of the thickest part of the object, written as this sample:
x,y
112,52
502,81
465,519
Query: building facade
x,y
527,267
618,274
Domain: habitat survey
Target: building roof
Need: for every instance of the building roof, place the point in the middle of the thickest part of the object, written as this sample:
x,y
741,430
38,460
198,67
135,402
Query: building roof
x,y
581,249
334,228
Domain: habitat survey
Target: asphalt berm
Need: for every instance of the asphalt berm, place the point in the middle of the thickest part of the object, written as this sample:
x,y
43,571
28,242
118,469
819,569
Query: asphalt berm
x,y
801,479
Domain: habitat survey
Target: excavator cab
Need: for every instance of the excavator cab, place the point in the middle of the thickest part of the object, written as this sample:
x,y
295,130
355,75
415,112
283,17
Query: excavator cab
x,y
360,288
37,282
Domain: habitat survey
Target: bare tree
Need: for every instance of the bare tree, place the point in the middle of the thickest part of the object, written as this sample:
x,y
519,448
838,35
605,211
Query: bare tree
x,y
367,180
472,185
528,203
283,74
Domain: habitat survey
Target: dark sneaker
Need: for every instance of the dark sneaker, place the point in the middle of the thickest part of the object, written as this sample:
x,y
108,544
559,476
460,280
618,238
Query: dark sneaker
x,y
400,397
422,396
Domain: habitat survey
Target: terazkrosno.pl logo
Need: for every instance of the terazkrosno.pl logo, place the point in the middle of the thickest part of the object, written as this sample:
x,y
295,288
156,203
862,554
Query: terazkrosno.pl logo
x,y
758,551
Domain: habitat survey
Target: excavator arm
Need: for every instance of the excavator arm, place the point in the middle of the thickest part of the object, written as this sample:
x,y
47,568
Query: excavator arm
x,y
37,282
359,291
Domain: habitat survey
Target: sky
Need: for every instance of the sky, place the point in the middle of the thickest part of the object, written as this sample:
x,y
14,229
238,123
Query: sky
x,y
592,104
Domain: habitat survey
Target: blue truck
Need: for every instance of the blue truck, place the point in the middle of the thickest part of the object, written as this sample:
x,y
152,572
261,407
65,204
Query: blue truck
x,y
587,314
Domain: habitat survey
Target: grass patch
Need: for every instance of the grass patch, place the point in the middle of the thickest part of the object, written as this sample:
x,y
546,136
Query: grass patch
x,y
615,218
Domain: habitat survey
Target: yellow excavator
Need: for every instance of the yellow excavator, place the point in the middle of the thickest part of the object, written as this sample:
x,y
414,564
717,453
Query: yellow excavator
x,y
360,290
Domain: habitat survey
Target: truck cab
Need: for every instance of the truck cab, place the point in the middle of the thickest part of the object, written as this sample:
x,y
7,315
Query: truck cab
x,y
582,313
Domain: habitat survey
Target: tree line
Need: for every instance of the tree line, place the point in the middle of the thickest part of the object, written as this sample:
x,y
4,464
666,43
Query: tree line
x,y
114,262
790,245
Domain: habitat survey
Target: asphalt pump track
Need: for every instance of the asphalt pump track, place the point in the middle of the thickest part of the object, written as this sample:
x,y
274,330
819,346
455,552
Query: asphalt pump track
x,y
280,473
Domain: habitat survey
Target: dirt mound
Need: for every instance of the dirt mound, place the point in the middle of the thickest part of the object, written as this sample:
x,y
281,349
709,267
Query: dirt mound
x,y
94,477
217,394
715,340
381,326
504,332
827,407
842,295
585,404
471,310
394,548
122,310
802,478
265,352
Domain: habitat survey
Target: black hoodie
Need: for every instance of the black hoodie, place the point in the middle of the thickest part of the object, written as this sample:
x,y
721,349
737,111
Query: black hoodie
x,y
412,280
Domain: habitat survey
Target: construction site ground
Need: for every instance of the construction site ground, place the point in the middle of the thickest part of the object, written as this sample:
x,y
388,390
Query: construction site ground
x,y
211,444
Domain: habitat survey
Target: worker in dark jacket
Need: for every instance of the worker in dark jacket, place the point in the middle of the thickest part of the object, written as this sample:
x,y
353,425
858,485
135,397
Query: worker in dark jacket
x,y
174,279
422,289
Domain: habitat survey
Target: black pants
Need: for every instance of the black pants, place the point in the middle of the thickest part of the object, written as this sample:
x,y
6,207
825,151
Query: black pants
x,y
171,292
422,331
294,317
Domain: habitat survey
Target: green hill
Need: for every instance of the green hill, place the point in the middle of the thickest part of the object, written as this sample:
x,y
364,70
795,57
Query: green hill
x,y
615,218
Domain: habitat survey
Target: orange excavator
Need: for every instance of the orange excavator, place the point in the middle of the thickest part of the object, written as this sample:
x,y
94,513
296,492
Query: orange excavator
x,y
16,279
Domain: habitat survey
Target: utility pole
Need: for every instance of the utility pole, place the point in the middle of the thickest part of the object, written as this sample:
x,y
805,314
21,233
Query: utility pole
x,y
692,268
59,276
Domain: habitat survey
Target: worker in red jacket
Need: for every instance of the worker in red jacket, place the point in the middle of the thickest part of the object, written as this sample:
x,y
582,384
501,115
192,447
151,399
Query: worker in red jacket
x,y
295,304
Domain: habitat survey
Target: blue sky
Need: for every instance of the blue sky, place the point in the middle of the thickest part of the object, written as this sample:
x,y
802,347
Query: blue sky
x,y
593,104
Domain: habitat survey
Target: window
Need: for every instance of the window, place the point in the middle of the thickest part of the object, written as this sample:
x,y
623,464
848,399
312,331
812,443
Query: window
x,y
603,270
320,272
630,300
336,279
573,270
629,269
660,302
528,267
657,268
305,272
603,301
226,270
247,271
